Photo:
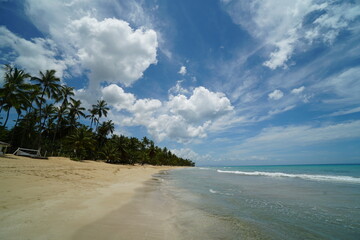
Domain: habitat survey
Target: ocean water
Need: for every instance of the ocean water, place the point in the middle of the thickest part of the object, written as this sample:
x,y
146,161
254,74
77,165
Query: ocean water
x,y
266,202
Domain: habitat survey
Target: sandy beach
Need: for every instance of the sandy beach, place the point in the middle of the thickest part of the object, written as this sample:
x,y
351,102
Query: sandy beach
x,y
63,199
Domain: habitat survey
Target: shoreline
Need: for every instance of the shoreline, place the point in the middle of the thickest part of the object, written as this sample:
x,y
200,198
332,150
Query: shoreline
x,y
149,215
62,199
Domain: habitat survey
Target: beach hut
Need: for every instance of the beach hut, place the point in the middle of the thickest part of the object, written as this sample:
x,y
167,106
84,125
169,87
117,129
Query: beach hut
x,y
3,147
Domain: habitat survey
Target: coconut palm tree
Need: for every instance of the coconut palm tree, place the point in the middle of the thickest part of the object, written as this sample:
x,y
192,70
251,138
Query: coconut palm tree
x,y
14,92
64,93
48,111
103,130
75,111
81,142
101,109
110,153
50,85
92,116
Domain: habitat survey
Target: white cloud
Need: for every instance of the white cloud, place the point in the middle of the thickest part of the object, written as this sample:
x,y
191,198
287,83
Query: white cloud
x,y
175,127
35,55
111,50
178,89
187,153
298,90
180,118
115,96
276,94
79,39
280,110
182,70
291,138
283,26
344,87
305,135
284,51
202,105
345,112
144,110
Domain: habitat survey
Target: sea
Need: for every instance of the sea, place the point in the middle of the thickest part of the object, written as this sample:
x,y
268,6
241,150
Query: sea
x,y
265,202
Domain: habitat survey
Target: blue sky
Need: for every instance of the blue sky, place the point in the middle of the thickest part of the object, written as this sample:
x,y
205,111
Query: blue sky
x,y
222,82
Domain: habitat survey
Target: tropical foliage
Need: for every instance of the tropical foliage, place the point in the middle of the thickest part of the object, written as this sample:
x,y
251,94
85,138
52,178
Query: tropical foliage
x,y
48,117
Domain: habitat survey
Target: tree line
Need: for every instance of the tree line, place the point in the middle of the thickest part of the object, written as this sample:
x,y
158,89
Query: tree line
x,y
48,117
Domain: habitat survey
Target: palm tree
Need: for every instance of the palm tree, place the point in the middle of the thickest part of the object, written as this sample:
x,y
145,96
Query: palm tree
x,y
81,142
145,142
49,110
92,116
50,85
65,92
14,91
103,130
121,143
110,153
152,153
101,109
75,111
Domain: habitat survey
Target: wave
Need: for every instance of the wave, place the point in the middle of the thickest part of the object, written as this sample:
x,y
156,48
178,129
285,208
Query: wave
x,y
213,191
222,193
329,178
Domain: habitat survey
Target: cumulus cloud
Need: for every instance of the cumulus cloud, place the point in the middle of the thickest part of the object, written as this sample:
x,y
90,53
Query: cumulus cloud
x,y
115,96
202,105
276,94
180,118
111,50
182,70
107,50
37,54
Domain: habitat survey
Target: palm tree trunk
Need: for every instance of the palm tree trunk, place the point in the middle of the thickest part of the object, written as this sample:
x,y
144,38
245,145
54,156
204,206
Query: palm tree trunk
x,y
40,126
56,129
7,117
13,132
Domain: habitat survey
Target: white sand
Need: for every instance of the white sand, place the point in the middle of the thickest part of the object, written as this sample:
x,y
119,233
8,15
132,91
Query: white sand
x,y
63,199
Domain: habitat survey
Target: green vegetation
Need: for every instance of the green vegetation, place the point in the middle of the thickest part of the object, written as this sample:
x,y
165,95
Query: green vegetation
x,y
48,117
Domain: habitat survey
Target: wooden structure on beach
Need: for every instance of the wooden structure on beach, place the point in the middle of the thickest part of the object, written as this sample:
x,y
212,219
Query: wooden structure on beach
x,y
3,147
26,152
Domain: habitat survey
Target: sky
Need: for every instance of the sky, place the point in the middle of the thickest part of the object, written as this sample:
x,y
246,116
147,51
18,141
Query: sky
x,y
221,82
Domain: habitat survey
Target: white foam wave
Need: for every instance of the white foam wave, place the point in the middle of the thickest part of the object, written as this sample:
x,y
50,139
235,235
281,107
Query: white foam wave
x,y
346,179
213,191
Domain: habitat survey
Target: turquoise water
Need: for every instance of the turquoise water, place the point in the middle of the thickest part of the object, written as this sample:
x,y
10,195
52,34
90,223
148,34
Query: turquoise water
x,y
270,202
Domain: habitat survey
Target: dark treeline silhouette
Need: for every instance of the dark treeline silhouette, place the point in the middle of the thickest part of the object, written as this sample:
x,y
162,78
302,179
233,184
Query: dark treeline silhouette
x,y
47,117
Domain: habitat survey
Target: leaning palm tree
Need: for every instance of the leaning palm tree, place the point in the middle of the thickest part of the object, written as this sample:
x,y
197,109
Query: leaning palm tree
x,y
14,92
